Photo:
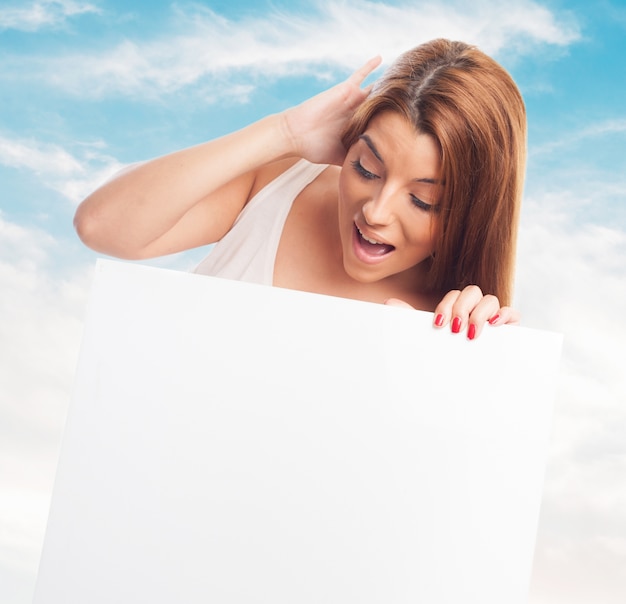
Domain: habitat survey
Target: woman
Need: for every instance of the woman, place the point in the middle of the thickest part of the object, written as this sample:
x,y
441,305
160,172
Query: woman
x,y
407,193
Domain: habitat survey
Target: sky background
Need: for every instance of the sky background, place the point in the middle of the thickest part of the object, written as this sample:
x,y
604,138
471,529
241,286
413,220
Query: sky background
x,y
88,87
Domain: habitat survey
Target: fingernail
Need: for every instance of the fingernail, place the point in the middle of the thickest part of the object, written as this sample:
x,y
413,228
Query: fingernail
x,y
494,319
456,325
439,320
471,331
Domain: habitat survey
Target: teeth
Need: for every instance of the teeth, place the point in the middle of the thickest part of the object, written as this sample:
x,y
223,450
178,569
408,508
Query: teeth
x,y
372,241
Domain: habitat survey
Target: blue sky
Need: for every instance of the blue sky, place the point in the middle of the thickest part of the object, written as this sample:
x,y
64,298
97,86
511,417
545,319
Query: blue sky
x,y
87,87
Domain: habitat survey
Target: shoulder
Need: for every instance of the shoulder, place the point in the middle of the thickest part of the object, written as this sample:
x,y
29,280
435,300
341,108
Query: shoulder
x,y
327,177
269,172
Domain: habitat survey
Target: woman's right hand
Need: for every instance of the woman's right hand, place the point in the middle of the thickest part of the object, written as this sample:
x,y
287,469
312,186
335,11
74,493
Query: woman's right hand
x,y
315,126
193,196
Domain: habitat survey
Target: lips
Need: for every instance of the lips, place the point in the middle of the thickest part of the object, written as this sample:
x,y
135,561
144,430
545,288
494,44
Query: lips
x,y
368,248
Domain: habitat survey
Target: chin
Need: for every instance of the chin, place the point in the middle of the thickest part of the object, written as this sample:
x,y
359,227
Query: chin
x,y
364,274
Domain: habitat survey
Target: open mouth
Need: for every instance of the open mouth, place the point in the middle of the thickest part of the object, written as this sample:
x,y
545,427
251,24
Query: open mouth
x,y
370,247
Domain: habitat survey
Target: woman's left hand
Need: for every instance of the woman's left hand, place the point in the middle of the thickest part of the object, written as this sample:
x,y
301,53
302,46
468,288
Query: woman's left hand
x,y
469,310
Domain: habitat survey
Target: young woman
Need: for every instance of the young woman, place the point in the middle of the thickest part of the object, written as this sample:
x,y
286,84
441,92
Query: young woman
x,y
404,193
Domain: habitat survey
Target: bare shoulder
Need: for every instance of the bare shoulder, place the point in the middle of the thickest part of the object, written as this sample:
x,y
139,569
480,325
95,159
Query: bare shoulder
x,y
269,172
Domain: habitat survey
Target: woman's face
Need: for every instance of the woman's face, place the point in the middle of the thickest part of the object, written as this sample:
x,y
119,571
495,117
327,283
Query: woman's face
x,y
388,192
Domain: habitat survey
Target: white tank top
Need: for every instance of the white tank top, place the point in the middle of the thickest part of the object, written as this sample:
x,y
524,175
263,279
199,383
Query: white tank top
x,y
248,251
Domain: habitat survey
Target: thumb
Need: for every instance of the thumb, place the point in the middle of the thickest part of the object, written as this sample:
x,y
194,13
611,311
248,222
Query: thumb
x,y
398,302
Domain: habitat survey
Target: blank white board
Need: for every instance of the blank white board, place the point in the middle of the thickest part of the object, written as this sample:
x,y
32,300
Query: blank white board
x,y
230,443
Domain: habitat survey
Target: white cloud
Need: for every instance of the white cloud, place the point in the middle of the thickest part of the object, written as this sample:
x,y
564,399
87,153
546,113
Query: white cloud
x,y
42,13
572,279
614,126
337,35
43,302
74,177
42,311
571,276
38,157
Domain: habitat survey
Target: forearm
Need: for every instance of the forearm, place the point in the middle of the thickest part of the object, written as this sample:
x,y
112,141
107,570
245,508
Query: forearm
x,y
192,197
142,204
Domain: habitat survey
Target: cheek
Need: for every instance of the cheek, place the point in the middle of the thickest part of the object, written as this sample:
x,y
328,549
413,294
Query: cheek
x,y
432,229
354,192
423,234
346,179
348,192
342,184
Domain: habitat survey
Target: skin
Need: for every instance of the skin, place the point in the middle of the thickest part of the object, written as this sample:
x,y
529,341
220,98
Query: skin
x,y
383,185
385,189
387,193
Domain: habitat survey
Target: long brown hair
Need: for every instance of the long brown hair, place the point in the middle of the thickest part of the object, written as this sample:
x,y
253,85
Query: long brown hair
x,y
473,109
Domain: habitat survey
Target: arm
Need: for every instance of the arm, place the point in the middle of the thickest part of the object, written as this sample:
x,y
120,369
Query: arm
x,y
192,197
182,200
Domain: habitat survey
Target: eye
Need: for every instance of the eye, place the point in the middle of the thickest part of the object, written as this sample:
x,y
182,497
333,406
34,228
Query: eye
x,y
358,166
427,207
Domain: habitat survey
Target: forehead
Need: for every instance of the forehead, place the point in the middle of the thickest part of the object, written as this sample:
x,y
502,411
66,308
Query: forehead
x,y
396,141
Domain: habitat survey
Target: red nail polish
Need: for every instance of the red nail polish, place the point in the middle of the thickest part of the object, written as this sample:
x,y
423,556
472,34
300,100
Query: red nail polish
x,y
471,331
456,325
439,320
494,319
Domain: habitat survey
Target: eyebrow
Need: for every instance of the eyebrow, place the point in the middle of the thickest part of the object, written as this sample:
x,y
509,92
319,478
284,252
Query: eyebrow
x,y
370,143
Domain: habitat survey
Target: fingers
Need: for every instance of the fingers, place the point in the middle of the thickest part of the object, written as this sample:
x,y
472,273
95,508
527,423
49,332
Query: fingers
x,y
360,74
354,94
469,310
397,302
506,316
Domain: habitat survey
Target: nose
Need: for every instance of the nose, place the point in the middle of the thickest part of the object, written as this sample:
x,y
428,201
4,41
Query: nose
x,y
380,210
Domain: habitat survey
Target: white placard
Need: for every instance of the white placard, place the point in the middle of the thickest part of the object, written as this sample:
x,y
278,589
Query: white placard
x,y
234,443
